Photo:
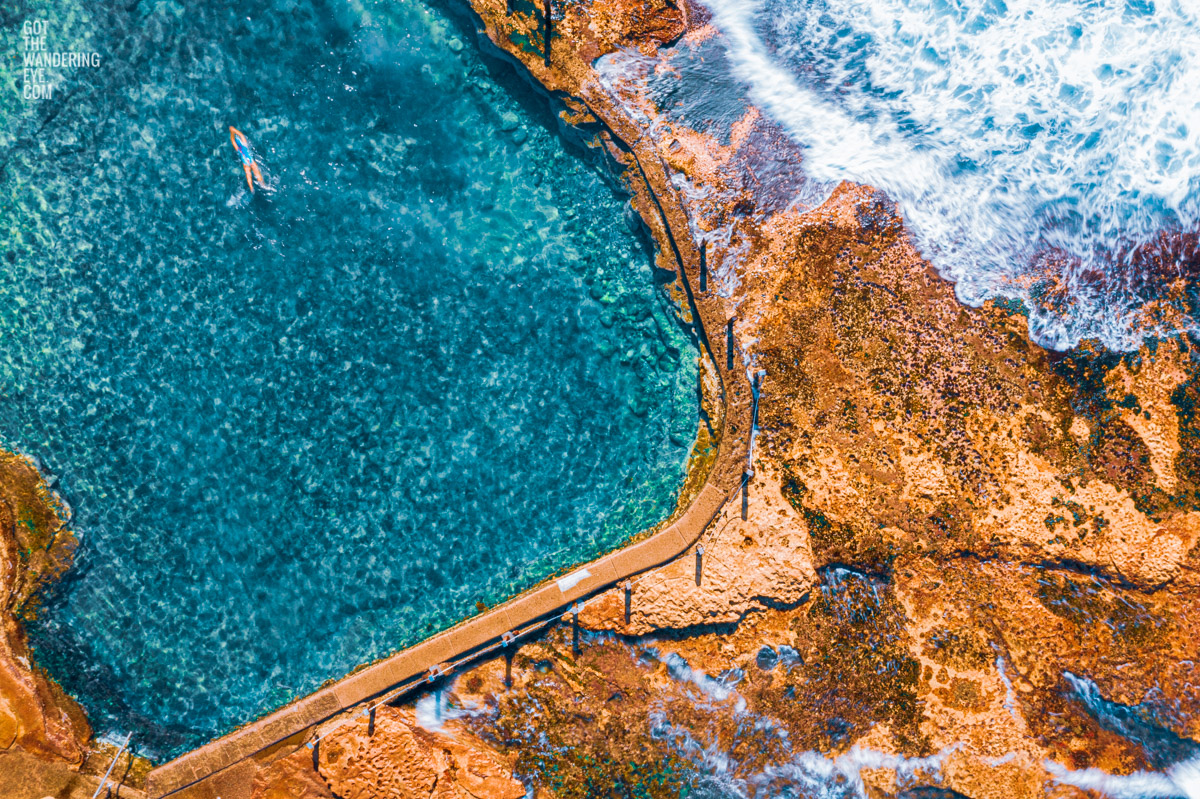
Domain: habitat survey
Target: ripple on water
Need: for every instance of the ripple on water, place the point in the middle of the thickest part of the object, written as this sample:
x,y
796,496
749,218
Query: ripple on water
x,y
300,430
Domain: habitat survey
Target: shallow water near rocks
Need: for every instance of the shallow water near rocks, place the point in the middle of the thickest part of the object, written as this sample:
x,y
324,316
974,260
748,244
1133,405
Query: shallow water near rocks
x,y
301,429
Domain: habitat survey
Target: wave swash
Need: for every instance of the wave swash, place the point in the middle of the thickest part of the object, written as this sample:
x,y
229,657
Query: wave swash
x,y
1038,149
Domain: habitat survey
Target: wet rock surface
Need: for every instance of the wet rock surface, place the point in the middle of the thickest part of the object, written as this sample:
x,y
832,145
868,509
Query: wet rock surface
x,y
982,554
35,716
392,756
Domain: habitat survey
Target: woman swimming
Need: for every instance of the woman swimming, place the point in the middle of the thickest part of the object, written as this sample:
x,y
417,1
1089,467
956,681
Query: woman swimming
x,y
242,145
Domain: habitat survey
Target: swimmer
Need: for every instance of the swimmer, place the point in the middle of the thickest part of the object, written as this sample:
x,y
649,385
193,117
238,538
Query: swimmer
x,y
242,145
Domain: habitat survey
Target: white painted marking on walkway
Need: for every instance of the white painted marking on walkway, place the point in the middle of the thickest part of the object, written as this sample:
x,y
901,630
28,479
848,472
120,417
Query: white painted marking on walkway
x,y
573,579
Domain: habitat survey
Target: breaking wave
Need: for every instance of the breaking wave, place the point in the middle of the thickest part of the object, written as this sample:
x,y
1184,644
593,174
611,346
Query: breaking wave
x,y
1044,150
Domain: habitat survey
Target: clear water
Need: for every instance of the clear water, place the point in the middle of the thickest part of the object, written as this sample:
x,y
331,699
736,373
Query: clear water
x,y
1033,145
305,428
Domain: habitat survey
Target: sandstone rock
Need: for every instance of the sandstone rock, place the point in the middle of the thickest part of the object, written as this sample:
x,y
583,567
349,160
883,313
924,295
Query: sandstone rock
x,y
291,777
747,565
35,715
404,760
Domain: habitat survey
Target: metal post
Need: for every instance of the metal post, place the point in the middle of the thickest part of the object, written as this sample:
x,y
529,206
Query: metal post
x,y
703,265
508,639
371,723
745,495
575,629
729,345
699,562
628,601
316,747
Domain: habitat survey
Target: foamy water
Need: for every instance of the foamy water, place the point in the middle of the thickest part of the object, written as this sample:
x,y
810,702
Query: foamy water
x,y
1005,131
1182,781
724,772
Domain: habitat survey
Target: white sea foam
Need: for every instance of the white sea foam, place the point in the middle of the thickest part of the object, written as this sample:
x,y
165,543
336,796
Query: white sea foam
x,y
806,774
1182,780
815,773
434,709
1002,130
720,690
1010,694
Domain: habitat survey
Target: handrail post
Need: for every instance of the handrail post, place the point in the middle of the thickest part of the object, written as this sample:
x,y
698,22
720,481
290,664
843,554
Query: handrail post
x,y
729,344
575,629
509,638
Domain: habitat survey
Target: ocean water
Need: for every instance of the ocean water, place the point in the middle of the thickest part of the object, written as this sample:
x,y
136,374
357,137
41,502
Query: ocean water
x,y
426,367
1042,150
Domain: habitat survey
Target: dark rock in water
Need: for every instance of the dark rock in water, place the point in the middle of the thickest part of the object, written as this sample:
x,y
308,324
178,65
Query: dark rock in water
x,y
877,213
767,658
632,221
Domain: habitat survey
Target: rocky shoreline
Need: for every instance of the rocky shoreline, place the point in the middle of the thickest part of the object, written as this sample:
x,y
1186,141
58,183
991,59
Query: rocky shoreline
x,y
964,562
45,739
1026,522
36,549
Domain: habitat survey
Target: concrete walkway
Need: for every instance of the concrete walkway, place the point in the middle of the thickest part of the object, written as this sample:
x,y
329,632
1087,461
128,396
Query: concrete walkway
x,y
546,600
292,723
475,633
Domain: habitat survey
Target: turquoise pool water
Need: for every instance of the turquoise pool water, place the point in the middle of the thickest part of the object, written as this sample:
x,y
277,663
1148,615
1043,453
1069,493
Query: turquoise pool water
x,y
302,429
